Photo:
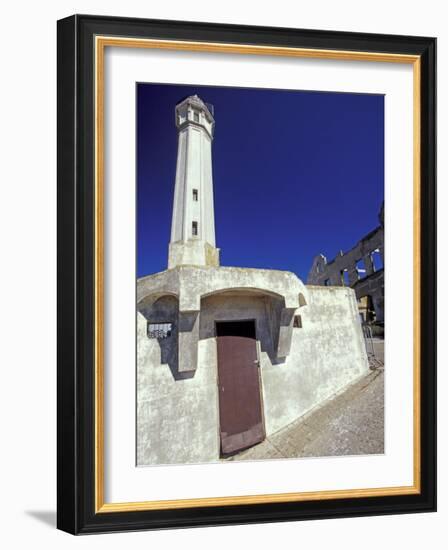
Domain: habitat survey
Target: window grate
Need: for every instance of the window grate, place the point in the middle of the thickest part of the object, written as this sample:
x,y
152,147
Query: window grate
x,y
159,330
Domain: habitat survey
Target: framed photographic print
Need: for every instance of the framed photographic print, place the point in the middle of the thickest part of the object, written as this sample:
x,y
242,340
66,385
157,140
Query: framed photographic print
x,y
246,268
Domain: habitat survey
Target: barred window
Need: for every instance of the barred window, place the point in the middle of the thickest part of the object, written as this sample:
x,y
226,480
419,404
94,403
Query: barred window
x,y
159,330
195,195
194,229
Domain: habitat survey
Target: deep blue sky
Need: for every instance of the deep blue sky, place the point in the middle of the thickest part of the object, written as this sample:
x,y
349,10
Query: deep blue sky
x,y
295,173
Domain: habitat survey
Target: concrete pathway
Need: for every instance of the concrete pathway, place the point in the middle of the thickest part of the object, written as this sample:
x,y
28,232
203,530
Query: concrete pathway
x,y
351,423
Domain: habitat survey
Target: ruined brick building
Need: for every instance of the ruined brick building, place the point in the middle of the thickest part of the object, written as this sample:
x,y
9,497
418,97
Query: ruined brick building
x,y
361,268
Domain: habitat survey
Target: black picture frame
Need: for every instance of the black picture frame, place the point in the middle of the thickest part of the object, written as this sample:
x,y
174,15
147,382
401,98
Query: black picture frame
x,y
76,479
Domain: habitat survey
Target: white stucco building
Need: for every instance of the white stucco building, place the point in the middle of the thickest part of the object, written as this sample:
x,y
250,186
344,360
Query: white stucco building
x,y
228,355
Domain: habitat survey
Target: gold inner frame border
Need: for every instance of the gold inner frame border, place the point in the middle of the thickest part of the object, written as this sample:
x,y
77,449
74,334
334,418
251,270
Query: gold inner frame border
x,y
100,44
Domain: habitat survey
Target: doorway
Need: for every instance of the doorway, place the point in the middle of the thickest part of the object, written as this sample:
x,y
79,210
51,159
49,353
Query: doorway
x,y
240,405
245,329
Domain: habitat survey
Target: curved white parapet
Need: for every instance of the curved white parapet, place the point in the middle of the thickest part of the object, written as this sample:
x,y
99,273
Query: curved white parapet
x,y
191,284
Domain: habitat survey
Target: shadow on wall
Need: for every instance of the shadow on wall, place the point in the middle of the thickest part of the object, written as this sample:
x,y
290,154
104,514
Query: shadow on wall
x,y
165,324
240,306
159,313
47,517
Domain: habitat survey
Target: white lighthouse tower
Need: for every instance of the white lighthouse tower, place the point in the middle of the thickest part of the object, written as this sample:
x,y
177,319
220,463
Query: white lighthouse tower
x,y
193,223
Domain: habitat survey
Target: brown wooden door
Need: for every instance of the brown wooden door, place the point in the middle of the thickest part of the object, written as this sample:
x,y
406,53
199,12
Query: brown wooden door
x,y
241,423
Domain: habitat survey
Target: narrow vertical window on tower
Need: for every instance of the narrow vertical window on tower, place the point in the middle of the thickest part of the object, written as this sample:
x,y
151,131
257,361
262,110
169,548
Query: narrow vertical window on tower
x,y
196,116
195,195
194,229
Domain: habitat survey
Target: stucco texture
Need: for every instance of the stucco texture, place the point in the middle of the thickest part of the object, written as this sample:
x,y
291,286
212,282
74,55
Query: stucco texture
x,y
178,409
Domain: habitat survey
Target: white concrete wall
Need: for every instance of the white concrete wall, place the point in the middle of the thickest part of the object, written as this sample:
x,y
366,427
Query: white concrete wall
x,y
178,418
327,353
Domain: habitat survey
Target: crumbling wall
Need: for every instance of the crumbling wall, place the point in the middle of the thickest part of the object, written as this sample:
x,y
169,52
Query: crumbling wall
x,y
356,269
